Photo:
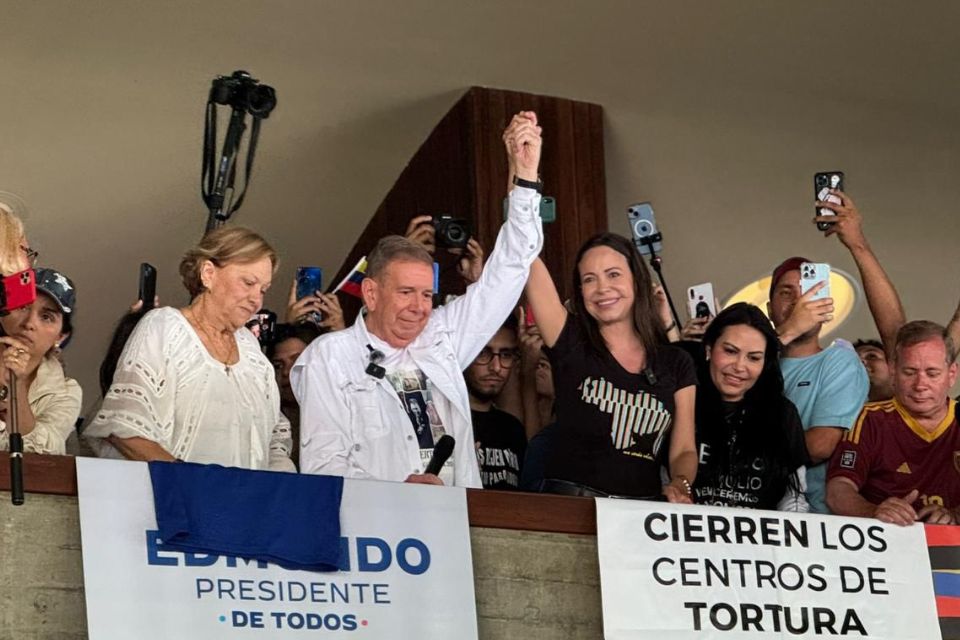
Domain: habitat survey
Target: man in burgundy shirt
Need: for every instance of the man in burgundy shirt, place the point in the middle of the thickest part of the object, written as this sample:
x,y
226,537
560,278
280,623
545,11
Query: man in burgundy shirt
x,y
901,461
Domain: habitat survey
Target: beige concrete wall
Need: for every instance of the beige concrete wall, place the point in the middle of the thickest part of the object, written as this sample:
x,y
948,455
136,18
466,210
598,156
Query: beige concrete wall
x,y
41,570
717,112
528,585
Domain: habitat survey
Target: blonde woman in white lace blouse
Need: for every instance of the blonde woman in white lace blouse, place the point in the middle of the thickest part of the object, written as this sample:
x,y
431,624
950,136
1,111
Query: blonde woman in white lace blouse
x,y
192,383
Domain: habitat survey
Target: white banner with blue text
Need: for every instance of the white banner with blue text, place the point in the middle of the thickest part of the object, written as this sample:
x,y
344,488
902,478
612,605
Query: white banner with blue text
x,y
674,572
410,573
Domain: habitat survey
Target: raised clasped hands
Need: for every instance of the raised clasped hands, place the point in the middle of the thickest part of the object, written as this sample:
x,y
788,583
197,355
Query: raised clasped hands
x,y
523,142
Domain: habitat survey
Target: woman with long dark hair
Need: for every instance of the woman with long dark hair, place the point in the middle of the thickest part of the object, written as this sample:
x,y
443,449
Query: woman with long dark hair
x,y
625,398
752,452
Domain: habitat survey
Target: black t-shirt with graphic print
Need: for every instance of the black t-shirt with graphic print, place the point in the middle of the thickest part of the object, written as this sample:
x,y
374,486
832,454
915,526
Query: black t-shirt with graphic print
x,y
613,426
501,445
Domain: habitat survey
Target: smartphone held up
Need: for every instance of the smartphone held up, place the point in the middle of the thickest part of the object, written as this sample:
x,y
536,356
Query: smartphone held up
x,y
18,290
823,182
147,290
643,227
701,302
309,283
812,274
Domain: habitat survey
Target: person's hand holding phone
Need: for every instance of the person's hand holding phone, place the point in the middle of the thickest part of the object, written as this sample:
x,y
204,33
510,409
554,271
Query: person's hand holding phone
x,y
137,306
301,310
807,315
695,328
470,264
847,224
329,305
420,229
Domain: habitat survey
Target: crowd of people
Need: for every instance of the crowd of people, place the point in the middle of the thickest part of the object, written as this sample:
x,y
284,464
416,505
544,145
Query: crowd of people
x,y
599,395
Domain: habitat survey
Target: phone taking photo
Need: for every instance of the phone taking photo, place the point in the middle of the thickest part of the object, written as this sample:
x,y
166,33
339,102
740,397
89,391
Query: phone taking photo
x,y
18,290
147,291
813,273
822,183
701,302
643,226
309,283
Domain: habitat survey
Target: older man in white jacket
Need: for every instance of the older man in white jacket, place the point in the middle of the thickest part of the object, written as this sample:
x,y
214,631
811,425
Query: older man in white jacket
x,y
375,398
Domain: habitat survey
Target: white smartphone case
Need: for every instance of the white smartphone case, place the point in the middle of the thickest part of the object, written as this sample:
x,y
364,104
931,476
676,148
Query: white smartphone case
x,y
700,301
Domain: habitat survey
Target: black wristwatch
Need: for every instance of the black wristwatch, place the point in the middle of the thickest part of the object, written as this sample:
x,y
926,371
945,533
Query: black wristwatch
x,y
528,184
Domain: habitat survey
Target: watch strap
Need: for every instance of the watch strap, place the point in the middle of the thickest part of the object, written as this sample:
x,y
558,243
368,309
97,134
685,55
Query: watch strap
x,y
528,184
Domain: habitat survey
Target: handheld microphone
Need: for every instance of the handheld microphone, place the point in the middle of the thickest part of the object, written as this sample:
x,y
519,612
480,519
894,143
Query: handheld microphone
x,y
441,452
374,369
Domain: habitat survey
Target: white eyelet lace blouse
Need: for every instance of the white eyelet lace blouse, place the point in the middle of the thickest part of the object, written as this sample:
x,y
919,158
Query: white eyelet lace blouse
x,y
169,389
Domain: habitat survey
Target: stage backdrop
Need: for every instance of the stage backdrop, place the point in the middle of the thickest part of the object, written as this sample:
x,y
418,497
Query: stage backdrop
x,y
411,572
679,572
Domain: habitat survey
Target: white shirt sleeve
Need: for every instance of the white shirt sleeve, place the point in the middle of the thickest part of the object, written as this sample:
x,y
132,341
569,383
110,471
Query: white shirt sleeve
x,y
140,402
475,316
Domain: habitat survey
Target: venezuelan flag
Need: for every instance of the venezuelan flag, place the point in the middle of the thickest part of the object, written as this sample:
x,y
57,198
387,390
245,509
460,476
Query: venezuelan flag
x,y
351,284
943,545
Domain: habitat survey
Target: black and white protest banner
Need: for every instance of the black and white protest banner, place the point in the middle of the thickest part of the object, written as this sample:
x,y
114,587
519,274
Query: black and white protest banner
x,y
674,572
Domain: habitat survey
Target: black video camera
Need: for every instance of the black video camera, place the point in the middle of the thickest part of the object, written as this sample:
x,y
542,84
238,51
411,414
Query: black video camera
x,y
243,92
452,233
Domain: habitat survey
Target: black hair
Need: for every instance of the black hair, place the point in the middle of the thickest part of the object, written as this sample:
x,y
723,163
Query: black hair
x,y
66,327
646,320
511,324
121,333
765,407
305,331
868,342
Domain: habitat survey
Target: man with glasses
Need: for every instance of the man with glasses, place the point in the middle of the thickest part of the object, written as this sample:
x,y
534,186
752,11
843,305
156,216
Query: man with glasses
x,y
500,437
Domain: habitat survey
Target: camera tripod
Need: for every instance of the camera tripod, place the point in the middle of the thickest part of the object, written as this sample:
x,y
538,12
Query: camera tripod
x,y
245,95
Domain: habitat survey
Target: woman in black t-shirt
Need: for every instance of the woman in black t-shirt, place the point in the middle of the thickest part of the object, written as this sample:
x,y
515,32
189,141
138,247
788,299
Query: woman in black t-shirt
x,y
751,445
625,398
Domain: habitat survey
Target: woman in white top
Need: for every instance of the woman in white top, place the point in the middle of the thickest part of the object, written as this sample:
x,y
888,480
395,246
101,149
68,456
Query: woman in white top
x,y
192,383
